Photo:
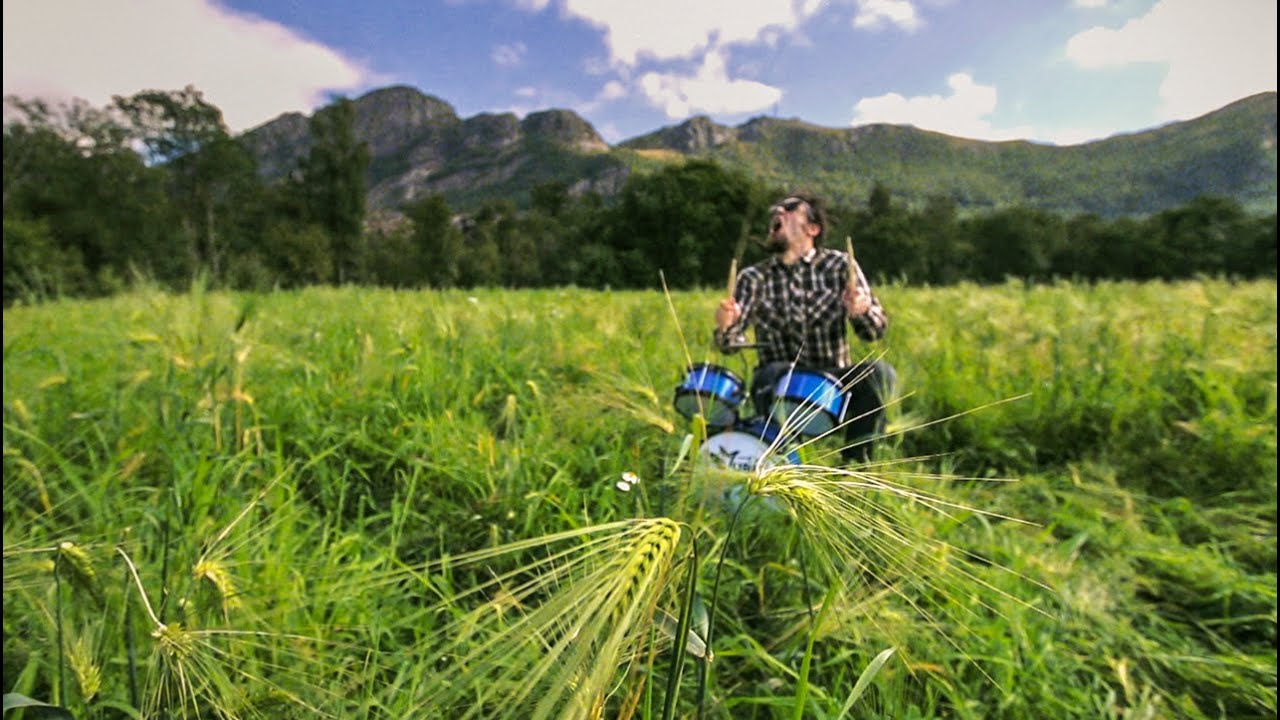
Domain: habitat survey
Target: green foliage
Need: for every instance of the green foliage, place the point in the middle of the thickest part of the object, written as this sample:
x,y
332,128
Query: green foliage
x,y
685,221
36,267
89,215
303,486
333,182
437,243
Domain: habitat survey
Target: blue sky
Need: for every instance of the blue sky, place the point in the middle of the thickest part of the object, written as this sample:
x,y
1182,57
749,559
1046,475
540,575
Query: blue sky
x,y
1053,71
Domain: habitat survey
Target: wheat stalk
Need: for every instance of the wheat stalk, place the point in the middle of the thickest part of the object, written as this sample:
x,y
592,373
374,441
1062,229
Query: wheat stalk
x,y
580,614
856,520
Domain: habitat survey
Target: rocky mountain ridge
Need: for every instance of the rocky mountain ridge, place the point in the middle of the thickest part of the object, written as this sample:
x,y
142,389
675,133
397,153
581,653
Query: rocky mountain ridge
x,y
419,145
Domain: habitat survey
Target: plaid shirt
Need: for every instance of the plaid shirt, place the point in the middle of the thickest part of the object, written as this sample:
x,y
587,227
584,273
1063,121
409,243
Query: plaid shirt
x,y
797,312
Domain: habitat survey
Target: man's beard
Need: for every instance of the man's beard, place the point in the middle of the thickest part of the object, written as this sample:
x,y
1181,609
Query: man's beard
x,y
774,244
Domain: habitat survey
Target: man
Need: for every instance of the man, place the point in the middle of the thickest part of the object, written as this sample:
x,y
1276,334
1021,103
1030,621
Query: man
x,y
800,302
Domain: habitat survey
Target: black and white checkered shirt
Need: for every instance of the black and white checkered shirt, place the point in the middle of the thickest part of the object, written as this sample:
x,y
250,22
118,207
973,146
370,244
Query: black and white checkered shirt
x,y
797,313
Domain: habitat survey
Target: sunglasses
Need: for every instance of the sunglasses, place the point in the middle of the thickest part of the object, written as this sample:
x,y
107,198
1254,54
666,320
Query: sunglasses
x,y
788,205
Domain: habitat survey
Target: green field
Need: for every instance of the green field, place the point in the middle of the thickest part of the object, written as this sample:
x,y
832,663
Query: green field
x,y
367,503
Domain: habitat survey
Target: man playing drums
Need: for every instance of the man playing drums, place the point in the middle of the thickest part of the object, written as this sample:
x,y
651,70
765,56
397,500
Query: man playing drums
x,y
800,302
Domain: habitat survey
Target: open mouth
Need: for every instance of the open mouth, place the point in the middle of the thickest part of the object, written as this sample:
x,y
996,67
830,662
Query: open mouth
x,y
775,225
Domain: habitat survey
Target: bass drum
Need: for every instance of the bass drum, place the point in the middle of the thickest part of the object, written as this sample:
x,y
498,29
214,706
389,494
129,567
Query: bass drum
x,y
738,450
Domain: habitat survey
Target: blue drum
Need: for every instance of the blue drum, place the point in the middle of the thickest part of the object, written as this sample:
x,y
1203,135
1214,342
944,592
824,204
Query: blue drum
x,y
759,427
809,401
712,392
767,432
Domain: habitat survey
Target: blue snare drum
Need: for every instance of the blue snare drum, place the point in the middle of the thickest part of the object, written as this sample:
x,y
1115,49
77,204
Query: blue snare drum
x,y
809,401
711,391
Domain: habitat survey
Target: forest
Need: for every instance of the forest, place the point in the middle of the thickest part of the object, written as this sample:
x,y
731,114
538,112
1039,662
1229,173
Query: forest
x,y
154,188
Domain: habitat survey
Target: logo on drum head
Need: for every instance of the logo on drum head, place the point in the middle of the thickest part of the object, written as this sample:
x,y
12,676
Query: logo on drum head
x,y
735,450
730,459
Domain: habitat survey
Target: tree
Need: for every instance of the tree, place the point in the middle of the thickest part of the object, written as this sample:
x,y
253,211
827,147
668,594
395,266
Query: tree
x,y
36,266
947,253
210,173
685,220
437,241
73,170
1018,242
333,178
172,124
880,201
1197,238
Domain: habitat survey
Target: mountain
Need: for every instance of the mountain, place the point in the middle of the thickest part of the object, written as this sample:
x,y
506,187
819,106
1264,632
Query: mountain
x,y
420,146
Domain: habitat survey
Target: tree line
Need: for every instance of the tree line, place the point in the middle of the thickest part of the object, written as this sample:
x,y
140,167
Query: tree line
x,y
154,187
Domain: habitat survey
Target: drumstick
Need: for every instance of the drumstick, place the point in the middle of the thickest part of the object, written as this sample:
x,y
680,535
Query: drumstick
x,y
737,256
853,267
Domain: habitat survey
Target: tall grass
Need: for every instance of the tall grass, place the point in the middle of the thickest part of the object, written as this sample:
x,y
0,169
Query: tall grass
x,y
369,503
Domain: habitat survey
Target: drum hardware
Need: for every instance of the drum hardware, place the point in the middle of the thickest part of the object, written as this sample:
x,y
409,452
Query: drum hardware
x,y
807,404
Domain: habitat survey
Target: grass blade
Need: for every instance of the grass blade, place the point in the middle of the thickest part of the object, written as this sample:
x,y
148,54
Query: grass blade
x,y
864,680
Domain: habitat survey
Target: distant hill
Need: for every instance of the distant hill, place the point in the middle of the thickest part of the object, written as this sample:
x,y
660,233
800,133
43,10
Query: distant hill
x,y
420,146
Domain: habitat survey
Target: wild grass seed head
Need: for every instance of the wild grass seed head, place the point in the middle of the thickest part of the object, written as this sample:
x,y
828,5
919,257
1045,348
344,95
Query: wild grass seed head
x,y
79,570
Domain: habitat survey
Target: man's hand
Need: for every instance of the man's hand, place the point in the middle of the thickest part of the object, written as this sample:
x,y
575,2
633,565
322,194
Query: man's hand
x,y
857,301
727,313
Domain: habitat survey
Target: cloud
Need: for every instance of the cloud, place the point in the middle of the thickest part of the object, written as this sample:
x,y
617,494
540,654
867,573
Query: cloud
x,y
509,55
674,29
611,91
875,14
709,91
961,113
251,68
1090,3
1215,53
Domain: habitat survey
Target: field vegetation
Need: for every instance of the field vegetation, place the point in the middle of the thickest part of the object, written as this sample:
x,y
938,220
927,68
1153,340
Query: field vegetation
x,y
379,503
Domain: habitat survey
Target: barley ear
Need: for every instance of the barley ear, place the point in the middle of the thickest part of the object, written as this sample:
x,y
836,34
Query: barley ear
x,y
80,571
216,588
87,672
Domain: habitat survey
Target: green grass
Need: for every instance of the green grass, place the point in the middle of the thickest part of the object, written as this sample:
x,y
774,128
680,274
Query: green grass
x,y
409,498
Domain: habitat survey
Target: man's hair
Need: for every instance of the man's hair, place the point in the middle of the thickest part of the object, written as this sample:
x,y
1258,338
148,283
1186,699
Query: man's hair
x,y
817,213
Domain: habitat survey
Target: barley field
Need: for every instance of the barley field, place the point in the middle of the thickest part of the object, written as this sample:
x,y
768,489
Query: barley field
x,y
359,503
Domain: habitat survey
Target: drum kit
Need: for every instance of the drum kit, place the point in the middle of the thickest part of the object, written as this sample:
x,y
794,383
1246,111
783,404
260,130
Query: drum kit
x,y
806,404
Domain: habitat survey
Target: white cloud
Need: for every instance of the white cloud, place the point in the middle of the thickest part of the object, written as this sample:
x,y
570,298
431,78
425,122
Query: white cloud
x,y
875,14
672,29
1215,53
709,91
252,69
1089,3
961,113
613,90
509,55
